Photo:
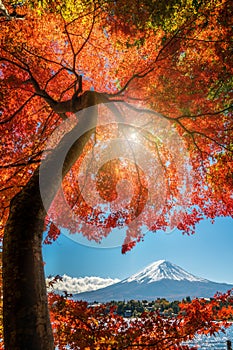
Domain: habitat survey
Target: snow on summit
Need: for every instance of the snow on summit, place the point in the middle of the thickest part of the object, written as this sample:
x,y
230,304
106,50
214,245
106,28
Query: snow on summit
x,y
162,269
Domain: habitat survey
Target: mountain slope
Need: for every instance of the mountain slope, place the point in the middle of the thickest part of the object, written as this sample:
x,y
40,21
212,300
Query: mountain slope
x,y
161,279
162,269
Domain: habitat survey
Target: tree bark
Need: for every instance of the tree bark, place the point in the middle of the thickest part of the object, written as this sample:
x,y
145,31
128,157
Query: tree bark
x,y
25,308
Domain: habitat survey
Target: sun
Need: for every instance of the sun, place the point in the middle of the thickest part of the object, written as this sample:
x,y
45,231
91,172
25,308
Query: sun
x,y
133,136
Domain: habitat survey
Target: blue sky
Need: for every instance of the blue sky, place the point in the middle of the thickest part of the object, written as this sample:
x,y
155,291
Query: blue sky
x,y
208,254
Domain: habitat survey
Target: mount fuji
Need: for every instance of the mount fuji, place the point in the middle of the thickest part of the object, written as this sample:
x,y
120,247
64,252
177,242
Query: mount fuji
x,y
161,279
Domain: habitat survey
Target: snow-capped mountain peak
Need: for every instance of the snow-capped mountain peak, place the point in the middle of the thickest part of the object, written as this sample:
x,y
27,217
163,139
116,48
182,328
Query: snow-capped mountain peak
x,y
161,279
160,270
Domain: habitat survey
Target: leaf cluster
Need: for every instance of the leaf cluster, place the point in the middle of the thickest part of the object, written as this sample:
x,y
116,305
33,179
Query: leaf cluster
x,y
79,325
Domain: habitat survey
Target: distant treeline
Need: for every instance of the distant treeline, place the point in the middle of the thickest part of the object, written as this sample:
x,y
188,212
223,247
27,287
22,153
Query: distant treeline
x,y
134,308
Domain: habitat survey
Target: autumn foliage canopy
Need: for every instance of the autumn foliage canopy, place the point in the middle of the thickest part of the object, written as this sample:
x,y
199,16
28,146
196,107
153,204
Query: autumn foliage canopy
x,y
181,69
136,103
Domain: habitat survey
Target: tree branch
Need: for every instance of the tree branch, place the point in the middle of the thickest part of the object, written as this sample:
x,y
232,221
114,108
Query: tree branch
x,y
18,110
9,16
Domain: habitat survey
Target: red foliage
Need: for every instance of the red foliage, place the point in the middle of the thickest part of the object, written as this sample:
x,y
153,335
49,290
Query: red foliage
x,y
183,173
80,326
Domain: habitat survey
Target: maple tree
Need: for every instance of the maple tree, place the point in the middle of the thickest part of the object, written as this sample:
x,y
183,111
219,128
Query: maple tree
x,y
88,75
97,327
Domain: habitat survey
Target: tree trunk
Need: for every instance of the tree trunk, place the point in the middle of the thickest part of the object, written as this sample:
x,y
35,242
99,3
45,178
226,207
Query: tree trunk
x,y
25,309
